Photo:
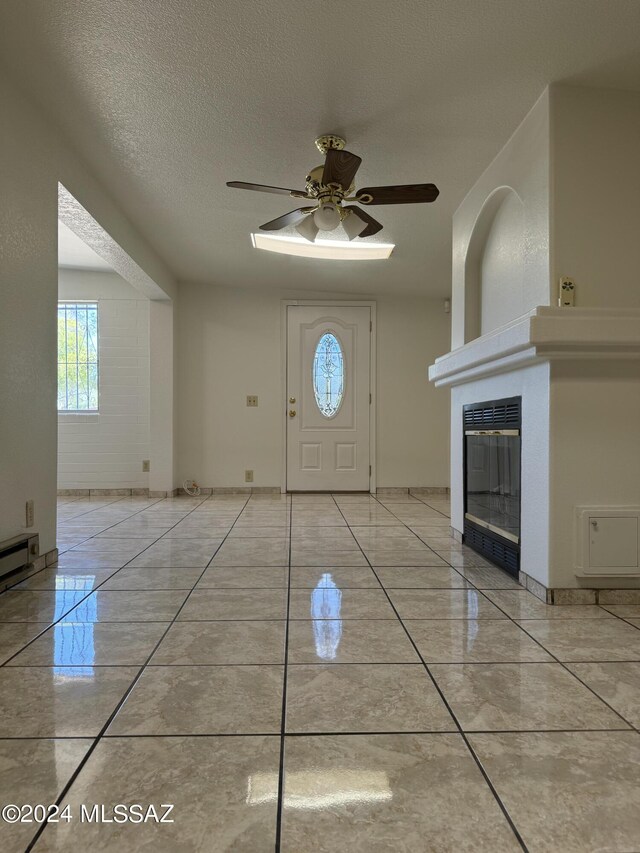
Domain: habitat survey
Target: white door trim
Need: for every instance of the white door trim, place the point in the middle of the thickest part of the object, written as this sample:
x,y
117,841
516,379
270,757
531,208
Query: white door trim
x,y
373,385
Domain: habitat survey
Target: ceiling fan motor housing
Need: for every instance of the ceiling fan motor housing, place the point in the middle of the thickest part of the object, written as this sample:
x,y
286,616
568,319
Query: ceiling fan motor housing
x,y
330,140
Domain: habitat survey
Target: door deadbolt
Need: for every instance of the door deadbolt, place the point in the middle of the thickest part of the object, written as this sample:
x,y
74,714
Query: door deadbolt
x,y
292,399
292,413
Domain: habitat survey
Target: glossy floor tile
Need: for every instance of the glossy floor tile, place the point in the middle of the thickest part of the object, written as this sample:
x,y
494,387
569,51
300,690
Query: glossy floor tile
x,y
224,792
52,701
364,698
397,577
88,644
585,639
38,605
328,602
617,683
299,673
142,605
522,604
443,604
473,641
349,641
34,771
244,577
227,642
381,793
130,578
345,577
15,635
190,700
567,792
509,697
233,604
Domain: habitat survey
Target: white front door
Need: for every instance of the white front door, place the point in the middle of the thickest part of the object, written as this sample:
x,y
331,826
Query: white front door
x,y
328,398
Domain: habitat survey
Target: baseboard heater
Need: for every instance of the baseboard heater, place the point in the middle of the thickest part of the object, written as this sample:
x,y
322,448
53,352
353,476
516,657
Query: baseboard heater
x,y
16,555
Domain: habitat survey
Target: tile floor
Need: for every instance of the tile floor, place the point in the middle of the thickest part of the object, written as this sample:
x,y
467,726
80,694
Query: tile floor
x,y
309,673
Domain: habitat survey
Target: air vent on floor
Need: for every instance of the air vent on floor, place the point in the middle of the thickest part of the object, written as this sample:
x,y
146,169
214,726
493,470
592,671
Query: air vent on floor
x,y
504,555
495,414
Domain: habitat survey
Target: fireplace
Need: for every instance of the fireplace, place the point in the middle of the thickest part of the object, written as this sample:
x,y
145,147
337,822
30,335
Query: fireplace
x,y
492,480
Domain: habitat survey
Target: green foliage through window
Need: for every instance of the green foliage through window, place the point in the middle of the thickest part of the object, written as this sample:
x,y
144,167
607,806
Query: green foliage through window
x,y
77,357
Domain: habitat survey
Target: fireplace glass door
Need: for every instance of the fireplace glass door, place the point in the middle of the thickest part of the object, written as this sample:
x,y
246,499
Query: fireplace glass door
x,y
493,481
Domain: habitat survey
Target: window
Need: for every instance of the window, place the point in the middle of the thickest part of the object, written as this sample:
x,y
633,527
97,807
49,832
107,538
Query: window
x,y
328,374
77,356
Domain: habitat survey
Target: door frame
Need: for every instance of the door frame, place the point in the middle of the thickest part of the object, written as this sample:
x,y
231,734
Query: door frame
x,y
284,342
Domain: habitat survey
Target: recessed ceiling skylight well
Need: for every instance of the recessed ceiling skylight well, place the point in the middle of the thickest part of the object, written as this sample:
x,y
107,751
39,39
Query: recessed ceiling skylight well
x,y
334,250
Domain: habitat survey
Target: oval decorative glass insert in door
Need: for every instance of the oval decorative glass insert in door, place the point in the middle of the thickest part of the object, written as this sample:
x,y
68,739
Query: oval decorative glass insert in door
x,y
328,375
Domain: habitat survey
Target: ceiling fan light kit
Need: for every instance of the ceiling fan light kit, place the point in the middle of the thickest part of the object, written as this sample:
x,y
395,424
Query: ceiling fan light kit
x,y
334,250
308,229
332,184
353,225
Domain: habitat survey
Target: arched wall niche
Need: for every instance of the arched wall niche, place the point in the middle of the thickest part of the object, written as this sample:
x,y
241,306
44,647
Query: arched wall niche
x,y
494,264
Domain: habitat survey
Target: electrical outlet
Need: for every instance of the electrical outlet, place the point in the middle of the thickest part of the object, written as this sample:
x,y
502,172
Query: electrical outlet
x,y
248,476
567,292
30,514
146,465
252,400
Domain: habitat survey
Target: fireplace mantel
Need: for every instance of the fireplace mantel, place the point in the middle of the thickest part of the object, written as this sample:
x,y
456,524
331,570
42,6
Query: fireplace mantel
x,y
544,334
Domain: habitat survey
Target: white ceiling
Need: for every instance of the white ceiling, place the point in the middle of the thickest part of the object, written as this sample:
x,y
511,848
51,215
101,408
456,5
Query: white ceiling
x,y
168,99
73,253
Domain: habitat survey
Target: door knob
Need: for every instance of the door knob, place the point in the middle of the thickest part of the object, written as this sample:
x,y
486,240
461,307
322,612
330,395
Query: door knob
x,y
292,399
292,413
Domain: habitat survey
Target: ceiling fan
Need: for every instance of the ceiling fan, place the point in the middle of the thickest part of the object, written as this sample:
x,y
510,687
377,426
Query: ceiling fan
x,y
332,184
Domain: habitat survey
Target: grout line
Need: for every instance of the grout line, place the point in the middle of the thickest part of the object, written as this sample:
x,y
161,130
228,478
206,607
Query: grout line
x,y
459,728
97,587
283,721
283,734
332,734
122,700
555,657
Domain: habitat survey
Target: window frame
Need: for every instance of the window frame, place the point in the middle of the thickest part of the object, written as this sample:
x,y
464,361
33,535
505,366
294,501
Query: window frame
x,y
87,411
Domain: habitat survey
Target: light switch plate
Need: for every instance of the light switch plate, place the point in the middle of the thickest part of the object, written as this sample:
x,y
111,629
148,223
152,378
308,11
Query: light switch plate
x,y
252,400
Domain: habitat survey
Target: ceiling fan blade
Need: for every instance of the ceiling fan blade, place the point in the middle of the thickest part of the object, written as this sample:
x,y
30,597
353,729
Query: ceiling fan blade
x,y
291,218
340,167
404,194
261,188
373,226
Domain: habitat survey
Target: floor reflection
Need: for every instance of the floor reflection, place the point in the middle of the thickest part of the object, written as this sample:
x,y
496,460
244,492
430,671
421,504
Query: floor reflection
x,y
472,616
319,789
73,642
326,601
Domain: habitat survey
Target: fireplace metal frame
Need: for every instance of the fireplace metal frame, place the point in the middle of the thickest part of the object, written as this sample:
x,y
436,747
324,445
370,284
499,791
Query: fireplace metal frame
x,y
494,417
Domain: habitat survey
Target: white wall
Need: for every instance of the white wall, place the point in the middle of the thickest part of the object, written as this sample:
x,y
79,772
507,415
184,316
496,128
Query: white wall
x,y
502,295
595,452
105,450
595,137
574,165
34,159
518,176
229,345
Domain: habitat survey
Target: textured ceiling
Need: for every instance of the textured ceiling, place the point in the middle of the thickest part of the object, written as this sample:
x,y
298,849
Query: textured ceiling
x,y
168,99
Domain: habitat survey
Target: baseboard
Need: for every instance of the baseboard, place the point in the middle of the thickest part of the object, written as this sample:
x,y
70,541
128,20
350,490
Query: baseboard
x,y
584,595
418,491
236,490
42,561
103,493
